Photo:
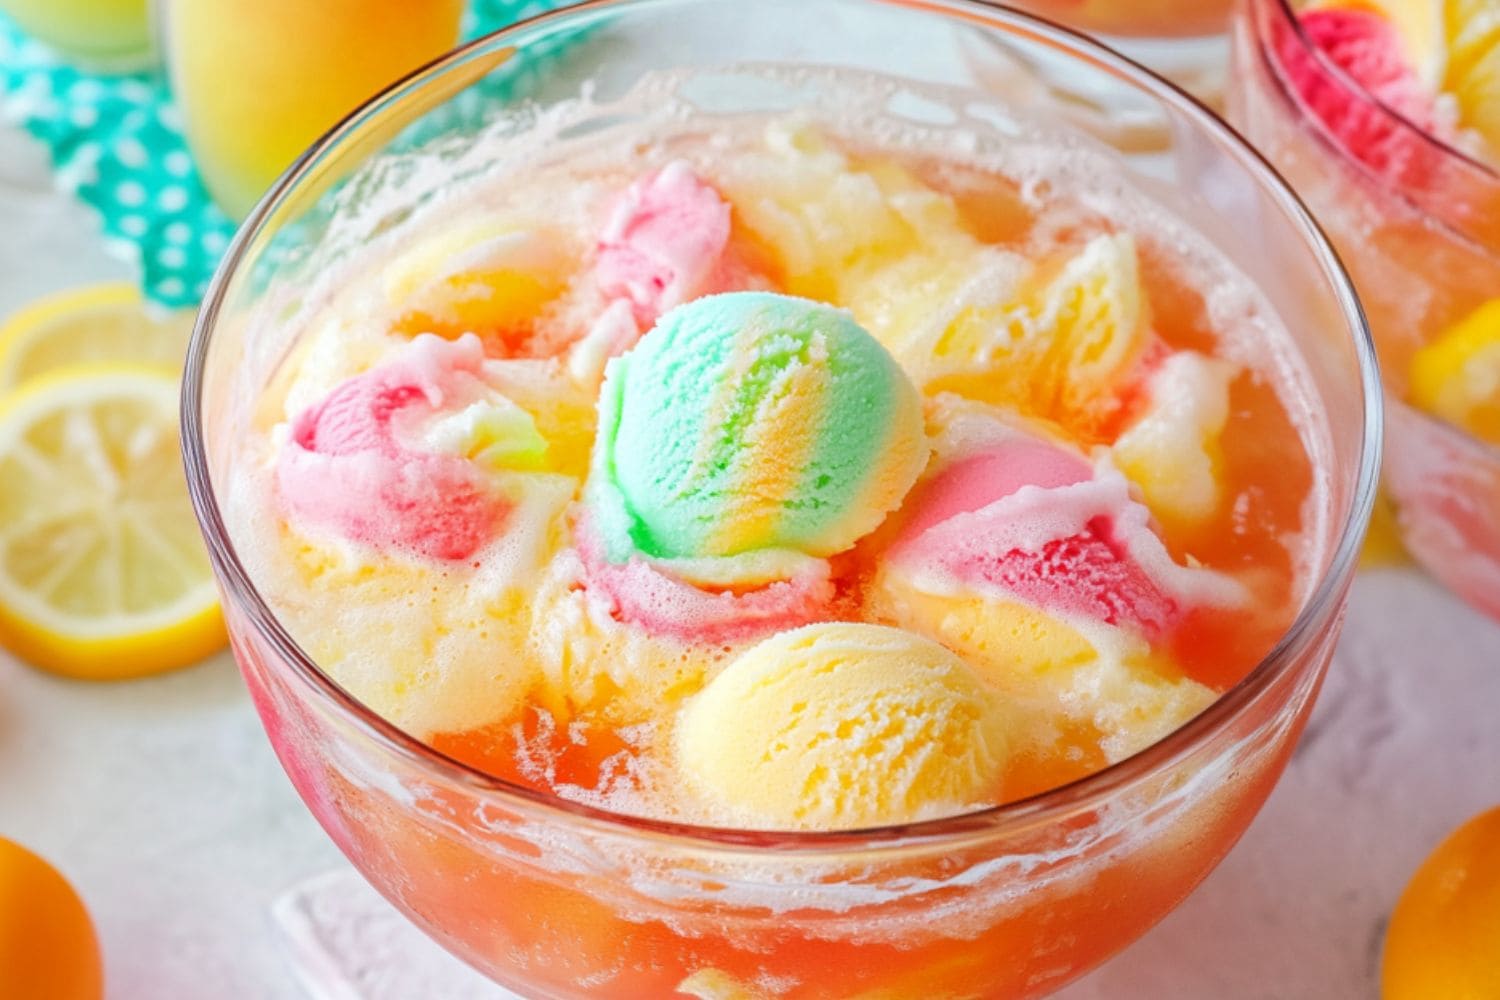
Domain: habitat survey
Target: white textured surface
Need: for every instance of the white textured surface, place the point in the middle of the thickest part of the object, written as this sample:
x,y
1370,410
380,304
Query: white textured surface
x,y
350,944
162,802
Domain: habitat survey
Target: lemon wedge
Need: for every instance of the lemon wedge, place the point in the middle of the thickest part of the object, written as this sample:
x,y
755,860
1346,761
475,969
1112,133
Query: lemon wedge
x,y
96,324
102,572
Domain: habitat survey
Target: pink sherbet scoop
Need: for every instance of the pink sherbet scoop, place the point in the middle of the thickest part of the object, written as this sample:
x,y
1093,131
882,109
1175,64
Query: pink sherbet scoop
x,y
663,243
346,469
1031,520
1368,50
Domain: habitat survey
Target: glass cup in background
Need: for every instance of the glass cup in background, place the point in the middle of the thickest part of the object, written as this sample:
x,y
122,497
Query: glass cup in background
x,y
557,899
112,36
258,80
1420,234
1184,40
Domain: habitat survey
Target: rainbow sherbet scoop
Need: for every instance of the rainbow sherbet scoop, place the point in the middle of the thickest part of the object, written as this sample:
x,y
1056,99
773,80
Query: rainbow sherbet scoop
x,y
752,422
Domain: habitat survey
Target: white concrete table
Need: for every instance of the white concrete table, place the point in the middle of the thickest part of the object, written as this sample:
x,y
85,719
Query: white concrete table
x,y
161,800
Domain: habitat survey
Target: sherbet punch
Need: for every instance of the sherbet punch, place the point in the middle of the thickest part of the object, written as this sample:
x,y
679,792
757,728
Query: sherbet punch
x,y
768,531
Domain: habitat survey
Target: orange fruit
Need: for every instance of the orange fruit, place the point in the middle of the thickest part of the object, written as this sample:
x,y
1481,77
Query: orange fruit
x,y
48,950
1444,938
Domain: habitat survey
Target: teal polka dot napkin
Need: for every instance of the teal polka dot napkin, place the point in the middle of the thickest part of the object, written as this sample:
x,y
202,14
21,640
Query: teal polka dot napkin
x,y
116,143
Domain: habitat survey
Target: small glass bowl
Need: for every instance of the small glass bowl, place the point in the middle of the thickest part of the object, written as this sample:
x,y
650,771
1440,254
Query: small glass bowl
x,y
1184,40
1420,235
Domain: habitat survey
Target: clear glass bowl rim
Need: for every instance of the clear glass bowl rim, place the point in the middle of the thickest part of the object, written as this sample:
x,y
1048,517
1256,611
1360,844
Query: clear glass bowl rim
x,y
1087,792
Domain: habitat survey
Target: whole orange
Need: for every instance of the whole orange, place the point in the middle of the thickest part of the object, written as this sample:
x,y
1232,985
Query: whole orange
x,y
1444,938
48,950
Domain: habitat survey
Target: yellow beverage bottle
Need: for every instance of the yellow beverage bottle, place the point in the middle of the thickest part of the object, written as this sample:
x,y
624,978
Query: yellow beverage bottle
x,y
96,34
259,80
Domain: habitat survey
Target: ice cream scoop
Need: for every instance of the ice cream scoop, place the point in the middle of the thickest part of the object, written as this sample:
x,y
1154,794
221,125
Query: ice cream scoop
x,y
1062,341
1353,45
395,457
1042,571
662,242
667,240
749,423
1027,519
841,726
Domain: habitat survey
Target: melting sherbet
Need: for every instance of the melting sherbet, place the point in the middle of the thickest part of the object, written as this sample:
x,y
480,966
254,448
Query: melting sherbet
x,y
1044,572
1367,49
351,463
774,483
663,241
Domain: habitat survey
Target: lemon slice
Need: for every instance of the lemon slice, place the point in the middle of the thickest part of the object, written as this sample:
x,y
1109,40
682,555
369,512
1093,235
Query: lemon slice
x,y
1457,376
1473,70
102,572
98,324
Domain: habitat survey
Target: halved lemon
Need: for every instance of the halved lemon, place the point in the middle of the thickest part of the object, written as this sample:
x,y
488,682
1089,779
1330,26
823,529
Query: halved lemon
x,y
102,571
97,324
